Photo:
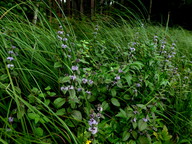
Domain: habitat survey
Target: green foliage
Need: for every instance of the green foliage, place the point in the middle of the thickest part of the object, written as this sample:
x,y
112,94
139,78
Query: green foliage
x,y
137,75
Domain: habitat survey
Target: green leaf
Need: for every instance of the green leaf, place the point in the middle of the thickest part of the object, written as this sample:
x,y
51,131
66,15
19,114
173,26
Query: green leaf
x,y
48,88
125,136
42,95
33,115
142,125
113,92
57,65
105,105
61,112
143,140
39,131
142,106
115,102
47,102
128,78
3,77
59,102
76,115
134,134
63,79
122,114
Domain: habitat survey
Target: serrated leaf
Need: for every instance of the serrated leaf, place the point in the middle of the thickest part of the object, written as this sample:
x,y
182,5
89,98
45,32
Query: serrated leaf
x,y
125,136
122,114
104,105
57,65
142,125
128,79
76,115
61,112
59,102
115,102
63,79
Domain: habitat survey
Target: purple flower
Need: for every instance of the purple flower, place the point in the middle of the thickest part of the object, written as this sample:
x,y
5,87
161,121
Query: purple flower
x,y
145,119
173,44
13,47
64,88
60,32
10,52
74,68
138,85
132,49
84,80
134,120
64,46
88,92
10,119
99,108
79,89
172,48
71,87
10,65
98,115
117,77
169,56
92,121
173,53
10,58
65,39
155,37
93,130
90,82
73,77
69,56
60,38
120,71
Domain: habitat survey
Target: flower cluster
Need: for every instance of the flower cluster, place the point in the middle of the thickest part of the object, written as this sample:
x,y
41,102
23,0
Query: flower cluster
x,y
94,120
10,58
64,38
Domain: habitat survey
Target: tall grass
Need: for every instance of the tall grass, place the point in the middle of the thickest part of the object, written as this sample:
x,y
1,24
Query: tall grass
x,y
131,80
